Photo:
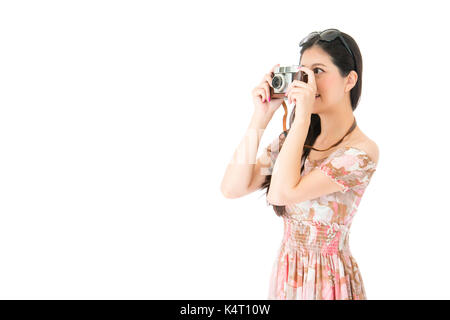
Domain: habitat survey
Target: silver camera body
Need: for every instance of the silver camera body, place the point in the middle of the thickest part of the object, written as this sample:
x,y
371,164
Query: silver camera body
x,y
283,76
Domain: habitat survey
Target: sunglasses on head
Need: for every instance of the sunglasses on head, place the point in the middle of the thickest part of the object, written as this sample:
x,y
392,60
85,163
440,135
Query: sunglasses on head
x,y
328,35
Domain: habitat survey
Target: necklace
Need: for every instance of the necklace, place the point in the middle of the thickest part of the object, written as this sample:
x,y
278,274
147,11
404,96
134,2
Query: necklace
x,y
353,126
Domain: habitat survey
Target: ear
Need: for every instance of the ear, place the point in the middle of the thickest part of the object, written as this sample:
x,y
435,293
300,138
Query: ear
x,y
352,78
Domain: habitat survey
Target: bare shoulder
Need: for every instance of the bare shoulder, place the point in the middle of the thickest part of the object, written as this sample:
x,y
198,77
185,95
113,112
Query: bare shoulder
x,y
370,147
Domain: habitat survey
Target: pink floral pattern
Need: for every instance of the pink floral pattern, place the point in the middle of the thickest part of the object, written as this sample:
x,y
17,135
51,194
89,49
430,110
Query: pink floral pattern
x,y
314,260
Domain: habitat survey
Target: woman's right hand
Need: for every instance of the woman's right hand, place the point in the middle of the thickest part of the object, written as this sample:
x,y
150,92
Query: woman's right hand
x,y
261,95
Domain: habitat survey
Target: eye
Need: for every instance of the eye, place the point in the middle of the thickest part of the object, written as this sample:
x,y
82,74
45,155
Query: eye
x,y
318,69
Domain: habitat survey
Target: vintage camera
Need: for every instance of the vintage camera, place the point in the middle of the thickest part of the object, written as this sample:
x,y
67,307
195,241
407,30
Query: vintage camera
x,y
283,77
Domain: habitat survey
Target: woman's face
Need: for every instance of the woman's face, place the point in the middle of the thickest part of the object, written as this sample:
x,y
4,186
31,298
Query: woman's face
x,y
332,88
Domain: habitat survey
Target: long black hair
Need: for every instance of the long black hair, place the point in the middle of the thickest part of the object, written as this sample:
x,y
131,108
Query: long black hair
x,y
344,62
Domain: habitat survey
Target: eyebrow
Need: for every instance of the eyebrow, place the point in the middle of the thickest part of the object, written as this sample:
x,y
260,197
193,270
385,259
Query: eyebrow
x,y
315,64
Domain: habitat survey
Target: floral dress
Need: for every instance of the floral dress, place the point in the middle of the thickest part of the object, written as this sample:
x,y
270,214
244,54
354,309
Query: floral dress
x,y
314,261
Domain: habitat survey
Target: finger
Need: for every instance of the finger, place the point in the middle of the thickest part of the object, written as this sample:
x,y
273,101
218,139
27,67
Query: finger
x,y
296,84
273,68
270,74
268,78
267,91
290,98
295,92
294,97
300,92
261,92
311,78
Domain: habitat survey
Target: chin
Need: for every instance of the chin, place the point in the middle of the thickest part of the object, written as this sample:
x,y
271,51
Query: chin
x,y
317,108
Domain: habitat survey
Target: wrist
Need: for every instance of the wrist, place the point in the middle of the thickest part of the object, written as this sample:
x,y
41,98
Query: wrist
x,y
260,120
304,117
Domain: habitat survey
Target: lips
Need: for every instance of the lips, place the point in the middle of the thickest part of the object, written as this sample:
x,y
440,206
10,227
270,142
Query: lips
x,y
317,95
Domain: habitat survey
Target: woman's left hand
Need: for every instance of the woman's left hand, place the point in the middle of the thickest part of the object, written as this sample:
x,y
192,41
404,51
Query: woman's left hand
x,y
303,94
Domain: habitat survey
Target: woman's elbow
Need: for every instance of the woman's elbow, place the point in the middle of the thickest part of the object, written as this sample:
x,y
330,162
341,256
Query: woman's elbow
x,y
275,198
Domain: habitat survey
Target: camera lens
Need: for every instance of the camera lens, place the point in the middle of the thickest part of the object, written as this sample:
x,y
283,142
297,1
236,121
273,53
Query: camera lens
x,y
277,82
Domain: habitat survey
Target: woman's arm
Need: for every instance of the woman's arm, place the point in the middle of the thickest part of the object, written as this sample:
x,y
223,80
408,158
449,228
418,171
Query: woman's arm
x,y
286,171
239,173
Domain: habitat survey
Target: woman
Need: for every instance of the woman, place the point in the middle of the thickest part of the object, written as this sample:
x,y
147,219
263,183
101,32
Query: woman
x,y
315,173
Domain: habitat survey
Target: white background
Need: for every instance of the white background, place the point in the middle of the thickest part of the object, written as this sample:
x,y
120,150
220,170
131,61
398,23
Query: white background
x,y
118,119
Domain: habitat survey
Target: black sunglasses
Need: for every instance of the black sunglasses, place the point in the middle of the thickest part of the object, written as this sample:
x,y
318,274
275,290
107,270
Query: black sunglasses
x,y
329,35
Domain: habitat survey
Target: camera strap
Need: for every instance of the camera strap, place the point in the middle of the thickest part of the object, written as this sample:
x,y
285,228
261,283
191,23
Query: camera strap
x,y
285,131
